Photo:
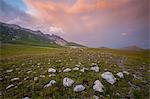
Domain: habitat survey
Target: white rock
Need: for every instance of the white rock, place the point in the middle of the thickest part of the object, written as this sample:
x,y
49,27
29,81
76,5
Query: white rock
x,y
84,69
42,76
8,71
108,76
120,74
95,68
51,70
96,97
67,82
26,98
26,78
67,70
14,79
125,72
10,86
17,68
1,79
50,83
29,72
59,71
75,69
98,86
79,88
77,65
52,75
94,64
38,63
35,78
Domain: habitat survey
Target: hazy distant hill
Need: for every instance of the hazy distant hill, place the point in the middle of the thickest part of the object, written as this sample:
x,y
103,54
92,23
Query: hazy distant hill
x,y
11,33
103,47
133,48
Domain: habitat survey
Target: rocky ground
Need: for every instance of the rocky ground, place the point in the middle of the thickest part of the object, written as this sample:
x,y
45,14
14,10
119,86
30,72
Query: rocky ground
x,y
43,73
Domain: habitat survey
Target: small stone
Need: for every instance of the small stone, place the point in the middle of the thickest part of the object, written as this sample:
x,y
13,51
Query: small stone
x,y
42,76
1,79
125,72
35,78
10,86
8,71
96,97
50,83
120,74
26,78
0,93
67,70
38,63
14,79
75,69
29,72
95,68
52,75
59,71
26,98
51,70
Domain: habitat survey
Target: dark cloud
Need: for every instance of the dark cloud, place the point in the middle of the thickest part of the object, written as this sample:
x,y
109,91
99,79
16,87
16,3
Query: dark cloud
x,y
11,14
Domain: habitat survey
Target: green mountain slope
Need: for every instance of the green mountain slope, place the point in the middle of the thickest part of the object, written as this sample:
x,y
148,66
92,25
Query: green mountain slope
x,y
11,33
17,35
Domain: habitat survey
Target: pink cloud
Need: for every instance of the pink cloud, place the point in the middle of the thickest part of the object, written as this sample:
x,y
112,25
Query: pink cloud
x,y
96,20
76,17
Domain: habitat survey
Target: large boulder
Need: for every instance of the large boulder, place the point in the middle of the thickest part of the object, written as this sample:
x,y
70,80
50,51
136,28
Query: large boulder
x,y
108,76
98,86
67,82
79,88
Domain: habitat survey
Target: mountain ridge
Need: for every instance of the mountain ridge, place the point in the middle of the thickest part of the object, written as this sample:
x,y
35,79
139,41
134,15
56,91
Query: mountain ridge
x,y
12,33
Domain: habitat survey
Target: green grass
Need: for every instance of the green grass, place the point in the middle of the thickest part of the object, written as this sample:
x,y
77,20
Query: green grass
x,y
23,58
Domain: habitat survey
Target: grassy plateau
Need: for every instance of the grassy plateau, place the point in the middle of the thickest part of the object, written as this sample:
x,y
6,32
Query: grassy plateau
x,y
30,62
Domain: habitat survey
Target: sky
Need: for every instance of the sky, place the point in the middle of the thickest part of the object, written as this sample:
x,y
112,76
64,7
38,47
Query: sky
x,y
94,23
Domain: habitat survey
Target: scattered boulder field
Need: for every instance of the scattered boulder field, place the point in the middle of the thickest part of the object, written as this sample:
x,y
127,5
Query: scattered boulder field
x,y
68,82
74,73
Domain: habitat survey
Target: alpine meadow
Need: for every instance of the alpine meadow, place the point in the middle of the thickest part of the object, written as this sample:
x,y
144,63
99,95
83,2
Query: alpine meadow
x,y
74,49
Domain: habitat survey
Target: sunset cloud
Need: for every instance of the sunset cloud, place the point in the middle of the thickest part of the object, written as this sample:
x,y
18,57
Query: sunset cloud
x,y
91,22
65,15
56,30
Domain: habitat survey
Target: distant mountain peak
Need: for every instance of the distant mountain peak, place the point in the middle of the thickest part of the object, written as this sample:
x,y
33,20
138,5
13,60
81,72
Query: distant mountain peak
x,y
132,47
